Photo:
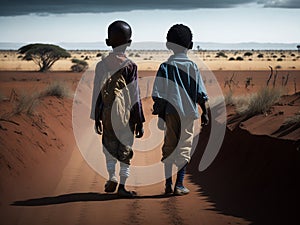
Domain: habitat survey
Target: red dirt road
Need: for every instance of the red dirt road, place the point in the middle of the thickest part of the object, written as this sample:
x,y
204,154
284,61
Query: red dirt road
x,y
78,198
45,180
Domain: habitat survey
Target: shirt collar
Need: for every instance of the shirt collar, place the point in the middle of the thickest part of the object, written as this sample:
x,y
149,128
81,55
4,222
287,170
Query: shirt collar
x,y
117,52
179,56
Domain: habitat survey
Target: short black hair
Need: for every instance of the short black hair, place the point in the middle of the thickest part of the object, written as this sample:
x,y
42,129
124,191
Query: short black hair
x,y
181,35
119,33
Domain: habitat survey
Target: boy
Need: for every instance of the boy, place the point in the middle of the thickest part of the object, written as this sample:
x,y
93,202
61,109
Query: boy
x,y
112,77
177,89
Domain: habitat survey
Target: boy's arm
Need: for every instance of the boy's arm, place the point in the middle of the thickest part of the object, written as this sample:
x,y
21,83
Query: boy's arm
x,y
98,110
137,114
204,115
97,100
202,98
96,88
158,92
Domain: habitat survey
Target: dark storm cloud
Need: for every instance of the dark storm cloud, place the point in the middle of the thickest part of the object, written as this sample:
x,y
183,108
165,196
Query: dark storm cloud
x,y
44,7
280,3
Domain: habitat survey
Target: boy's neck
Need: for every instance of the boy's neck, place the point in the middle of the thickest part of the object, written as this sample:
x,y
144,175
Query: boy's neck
x,y
179,52
119,49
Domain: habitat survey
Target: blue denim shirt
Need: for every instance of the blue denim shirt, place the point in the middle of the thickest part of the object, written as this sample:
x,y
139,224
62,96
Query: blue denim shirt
x,y
178,81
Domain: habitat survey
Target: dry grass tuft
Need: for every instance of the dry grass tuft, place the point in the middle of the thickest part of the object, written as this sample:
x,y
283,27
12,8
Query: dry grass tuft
x,y
241,101
2,97
293,120
26,104
260,102
57,89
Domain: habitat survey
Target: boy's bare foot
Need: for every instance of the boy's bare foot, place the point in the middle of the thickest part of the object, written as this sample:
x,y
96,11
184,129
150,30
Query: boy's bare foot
x,y
110,186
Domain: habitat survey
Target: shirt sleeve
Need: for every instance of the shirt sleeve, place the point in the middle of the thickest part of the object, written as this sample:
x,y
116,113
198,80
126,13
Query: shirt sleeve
x,y
160,83
201,90
96,89
137,114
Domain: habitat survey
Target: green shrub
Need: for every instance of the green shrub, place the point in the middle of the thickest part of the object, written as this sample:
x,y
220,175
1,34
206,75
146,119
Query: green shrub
x,y
239,58
248,54
260,55
79,65
221,54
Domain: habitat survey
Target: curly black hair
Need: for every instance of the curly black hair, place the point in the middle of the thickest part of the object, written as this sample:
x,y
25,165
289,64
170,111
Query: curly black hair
x,y
181,35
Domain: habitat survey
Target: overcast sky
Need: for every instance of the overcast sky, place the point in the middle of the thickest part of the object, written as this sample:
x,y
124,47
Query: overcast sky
x,y
227,21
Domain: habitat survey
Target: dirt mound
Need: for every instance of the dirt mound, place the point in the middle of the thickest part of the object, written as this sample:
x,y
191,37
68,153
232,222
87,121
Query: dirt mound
x,y
253,176
278,122
32,142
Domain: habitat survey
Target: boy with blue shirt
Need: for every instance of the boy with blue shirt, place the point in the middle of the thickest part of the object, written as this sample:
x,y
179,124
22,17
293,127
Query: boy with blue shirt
x,y
177,89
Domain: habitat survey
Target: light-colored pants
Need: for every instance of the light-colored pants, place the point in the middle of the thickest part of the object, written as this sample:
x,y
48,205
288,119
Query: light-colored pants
x,y
178,139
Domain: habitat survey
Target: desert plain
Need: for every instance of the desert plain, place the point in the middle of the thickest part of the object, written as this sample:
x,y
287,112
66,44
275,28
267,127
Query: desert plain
x,y
254,178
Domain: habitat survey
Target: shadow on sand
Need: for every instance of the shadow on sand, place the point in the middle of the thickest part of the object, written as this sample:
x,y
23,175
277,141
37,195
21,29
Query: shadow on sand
x,y
77,197
253,177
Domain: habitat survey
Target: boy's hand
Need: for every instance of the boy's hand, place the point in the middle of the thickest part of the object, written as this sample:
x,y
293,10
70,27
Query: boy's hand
x,y
139,130
204,119
98,127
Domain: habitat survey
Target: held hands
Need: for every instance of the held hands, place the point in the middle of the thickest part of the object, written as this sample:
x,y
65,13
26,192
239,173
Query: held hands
x,y
98,127
204,119
139,130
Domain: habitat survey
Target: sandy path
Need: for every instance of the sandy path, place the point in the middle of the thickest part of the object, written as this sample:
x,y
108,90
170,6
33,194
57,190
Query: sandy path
x,y
69,192
78,198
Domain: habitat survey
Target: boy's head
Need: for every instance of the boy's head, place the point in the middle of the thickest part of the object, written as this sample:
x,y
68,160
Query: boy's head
x,y
119,33
179,38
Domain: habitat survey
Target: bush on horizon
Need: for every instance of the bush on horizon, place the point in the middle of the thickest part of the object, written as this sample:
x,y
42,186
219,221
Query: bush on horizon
x,y
221,54
260,55
79,65
248,54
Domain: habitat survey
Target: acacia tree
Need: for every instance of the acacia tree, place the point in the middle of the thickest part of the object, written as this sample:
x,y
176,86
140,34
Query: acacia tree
x,y
44,55
298,46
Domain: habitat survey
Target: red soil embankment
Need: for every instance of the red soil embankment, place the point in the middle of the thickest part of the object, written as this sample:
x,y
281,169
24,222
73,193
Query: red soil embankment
x,y
253,176
29,143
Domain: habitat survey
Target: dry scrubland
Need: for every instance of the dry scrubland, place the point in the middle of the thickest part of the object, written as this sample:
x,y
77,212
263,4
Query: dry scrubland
x,y
254,179
150,60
